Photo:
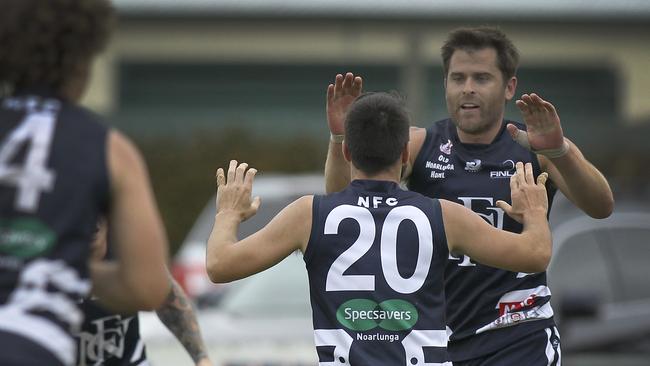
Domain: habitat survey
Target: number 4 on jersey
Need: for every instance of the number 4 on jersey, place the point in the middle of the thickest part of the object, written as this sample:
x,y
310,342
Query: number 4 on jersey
x,y
32,177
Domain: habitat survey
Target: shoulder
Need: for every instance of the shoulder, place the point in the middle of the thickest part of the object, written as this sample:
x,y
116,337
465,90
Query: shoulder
x,y
81,115
299,210
124,160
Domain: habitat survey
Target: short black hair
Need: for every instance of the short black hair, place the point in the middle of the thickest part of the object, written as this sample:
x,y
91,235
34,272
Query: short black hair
x,y
44,42
376,131
474,39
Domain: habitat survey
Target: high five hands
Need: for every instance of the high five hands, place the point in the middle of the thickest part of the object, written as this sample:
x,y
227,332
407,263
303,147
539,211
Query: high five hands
x,y
544,133
340,96
234,192
527,195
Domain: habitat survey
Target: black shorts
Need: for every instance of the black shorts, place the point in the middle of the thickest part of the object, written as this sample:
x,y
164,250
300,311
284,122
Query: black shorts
x,y
20,351
541,348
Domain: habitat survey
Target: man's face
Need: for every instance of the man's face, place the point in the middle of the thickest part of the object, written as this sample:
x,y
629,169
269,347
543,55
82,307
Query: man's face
x,y
475,90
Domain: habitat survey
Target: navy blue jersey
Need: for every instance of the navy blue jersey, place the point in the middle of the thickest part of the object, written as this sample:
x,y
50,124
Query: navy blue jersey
x,y
375,261
109,339
53,187
483,303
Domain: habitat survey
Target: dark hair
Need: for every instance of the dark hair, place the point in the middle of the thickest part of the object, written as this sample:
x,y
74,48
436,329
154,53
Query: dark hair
x,y
44,42
472,39
376,131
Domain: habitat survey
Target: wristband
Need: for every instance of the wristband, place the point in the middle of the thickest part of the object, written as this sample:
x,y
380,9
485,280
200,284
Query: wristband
x,y
522,139
337,139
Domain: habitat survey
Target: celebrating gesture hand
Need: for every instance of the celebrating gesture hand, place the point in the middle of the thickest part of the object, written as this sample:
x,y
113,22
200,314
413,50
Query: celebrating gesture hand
x,y
234,193
544,132
527,194
340,96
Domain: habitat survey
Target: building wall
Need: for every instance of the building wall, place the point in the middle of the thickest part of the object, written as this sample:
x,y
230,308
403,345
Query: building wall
x,y
623,47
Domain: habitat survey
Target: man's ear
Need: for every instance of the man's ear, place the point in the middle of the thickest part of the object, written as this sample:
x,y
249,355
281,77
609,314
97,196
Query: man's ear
x,y
511,87
346,152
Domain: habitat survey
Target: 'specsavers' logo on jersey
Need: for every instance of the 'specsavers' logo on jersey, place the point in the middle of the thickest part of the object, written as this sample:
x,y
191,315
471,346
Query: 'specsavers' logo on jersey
x,y
25,238
364,314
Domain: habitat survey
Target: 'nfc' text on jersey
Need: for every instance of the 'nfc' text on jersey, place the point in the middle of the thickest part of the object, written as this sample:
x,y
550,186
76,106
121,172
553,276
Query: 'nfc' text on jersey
x,y
376,201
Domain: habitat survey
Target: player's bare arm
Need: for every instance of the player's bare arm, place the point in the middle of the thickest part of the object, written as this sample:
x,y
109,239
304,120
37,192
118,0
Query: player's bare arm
x,y
530,251
137,279
340,96
417,135
229,259
567,167
177,314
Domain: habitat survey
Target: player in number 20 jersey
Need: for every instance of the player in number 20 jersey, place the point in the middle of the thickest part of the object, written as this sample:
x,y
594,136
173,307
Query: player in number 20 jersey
x,y
375,254
376,261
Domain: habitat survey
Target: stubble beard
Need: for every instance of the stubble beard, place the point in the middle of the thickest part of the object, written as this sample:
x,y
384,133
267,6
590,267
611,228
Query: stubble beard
x,y
486,121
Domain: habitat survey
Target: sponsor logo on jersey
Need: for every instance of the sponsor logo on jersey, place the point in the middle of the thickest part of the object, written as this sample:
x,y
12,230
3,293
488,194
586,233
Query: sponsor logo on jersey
x,y
522,299
25,238
104,341
365,314
521,306
446,147
473,166
439,167
507,170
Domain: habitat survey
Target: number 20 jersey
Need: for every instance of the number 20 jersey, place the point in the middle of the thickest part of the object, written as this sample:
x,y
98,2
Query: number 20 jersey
x,y
53,186
375,262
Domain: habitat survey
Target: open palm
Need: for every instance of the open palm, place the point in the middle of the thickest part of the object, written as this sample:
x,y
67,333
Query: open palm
x,y
340,96
542,123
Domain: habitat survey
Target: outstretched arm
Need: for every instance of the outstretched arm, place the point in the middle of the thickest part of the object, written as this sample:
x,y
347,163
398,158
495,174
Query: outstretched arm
x,y
177,314
340,96
567,167
229,259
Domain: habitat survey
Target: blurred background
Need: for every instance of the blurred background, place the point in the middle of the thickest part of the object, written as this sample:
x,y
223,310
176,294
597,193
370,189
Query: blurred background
x,y
196,83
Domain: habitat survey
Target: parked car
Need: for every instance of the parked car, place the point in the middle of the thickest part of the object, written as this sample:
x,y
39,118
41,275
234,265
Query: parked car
x,y
599,279
598,276
264,320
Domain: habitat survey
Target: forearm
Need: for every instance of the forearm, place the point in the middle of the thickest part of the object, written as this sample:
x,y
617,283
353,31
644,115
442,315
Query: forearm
x,y
537,235
584,185
224,233
337,169
178,316
115,292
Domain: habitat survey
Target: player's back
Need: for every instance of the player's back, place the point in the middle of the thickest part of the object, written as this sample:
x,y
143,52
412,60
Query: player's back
x,y
53,187
375,260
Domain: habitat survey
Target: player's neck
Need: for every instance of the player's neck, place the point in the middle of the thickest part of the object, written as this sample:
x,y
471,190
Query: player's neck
x,y
391,175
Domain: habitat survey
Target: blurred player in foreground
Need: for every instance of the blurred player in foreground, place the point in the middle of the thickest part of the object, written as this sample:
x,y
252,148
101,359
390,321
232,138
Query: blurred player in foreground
x,y
61,169
111,339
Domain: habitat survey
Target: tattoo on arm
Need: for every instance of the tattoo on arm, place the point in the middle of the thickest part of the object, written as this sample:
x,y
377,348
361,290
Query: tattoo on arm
x,y
178,316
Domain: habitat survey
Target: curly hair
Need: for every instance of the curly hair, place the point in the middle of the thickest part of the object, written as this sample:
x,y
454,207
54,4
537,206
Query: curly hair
x,y
45,42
